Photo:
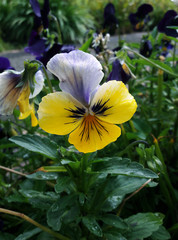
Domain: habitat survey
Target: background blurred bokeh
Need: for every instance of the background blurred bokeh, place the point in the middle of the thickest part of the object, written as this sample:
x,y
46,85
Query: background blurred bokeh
x,y
75,18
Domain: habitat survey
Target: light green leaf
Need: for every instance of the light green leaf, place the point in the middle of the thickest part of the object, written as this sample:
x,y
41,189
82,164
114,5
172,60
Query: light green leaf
x,y
38,144
43,176
86,45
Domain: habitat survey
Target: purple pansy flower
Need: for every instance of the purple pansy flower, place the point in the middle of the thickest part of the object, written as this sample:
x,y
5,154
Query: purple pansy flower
x,y
110,20
120,72
170,19
146,48
4,64
56,48
140,18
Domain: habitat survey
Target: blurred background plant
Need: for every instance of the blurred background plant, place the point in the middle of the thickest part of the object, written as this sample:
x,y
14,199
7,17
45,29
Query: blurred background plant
x,y
75,18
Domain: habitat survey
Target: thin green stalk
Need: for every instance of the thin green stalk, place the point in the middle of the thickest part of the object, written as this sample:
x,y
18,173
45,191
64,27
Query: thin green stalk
x,y
174,54
16,121
120,154
46,75
130,196
30,220
58,28
83,168
159,96
125,140
149,61
165,173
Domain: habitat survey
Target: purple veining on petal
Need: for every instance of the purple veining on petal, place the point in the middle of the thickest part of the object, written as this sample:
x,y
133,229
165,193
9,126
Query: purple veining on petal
x,y
79,73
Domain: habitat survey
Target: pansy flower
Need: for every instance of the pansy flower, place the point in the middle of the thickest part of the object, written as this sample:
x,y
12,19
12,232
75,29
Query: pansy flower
x,y
169,20
37,43
120,72
84,109
56,48
146,48
110,20
17,88
141,17
5,64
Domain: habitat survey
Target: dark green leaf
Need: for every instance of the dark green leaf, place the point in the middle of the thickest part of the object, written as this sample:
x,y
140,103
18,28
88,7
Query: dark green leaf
x,y
37,144
6,236
121,166
142,225
64,184
114,234
92,225
114,221
29,234
40,200
161,234
64,210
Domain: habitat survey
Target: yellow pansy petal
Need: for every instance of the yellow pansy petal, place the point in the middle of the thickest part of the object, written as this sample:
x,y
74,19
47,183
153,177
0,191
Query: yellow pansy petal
x,y
113,103
59,113
23,102
34,120
93,134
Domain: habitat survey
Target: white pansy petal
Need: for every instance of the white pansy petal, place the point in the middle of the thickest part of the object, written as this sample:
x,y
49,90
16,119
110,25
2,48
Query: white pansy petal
x,y
9,93
79,73
39,83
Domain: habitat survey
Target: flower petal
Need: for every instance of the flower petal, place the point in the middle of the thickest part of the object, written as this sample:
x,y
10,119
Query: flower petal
x,y
93,134
113,103
39,83
79,73
59,113
36,7
9,93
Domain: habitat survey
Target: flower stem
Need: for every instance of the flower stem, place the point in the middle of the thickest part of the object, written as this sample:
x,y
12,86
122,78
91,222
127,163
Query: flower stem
x,y
30,220
45,73
131,195
58,28
159,96
125,140
13,171
174,54
149,61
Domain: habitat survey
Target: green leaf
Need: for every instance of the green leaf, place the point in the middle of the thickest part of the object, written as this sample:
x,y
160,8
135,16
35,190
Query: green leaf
x,y
114,234
142,127
142,225
86,45
121,166
65,210
43,176
29,234
92,225
114,221
37,144
40,200
161,234
64,184
6,236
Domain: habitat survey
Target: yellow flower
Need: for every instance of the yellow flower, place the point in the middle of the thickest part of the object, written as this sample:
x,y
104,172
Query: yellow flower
x,y
85,109
15,90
